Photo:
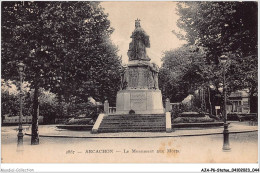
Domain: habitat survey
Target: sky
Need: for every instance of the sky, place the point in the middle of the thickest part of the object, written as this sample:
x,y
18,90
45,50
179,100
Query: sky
x,y
158,19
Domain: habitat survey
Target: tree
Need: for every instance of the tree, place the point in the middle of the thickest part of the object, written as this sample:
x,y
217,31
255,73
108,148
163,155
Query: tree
x,y
182,72
10,101
228,28
59,42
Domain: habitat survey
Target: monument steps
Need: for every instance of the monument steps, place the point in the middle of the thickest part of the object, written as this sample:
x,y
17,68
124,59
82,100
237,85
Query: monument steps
x,y
147,129
128,127
151,120
134,115
129,130
139,116
123,120
133,123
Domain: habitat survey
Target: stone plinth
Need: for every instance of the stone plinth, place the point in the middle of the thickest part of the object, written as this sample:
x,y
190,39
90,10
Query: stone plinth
x,y
140,75
142,101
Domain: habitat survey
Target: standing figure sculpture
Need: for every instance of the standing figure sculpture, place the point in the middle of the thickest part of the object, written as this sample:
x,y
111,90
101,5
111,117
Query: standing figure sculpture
x,y
124,78
150,78
140,41
155,77
155,70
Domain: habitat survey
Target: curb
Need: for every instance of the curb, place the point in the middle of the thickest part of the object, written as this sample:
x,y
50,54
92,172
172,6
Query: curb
x,y
187,135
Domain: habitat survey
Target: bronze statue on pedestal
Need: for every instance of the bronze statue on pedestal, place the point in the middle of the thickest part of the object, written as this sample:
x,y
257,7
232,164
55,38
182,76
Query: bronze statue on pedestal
x,y
140,41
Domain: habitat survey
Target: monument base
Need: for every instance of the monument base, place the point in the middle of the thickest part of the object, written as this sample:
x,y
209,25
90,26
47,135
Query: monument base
x,y
141,101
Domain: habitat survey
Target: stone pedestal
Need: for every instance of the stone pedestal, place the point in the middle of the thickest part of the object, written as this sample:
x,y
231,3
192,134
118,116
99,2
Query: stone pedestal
x,y
140,91
142,101
140,75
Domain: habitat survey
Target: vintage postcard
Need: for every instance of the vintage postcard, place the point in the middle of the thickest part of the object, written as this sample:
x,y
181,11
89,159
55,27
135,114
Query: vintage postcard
x,y
129,82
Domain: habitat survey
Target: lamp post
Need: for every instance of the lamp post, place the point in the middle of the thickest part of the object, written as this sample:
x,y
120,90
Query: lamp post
x,y
223,60
211,87
20,128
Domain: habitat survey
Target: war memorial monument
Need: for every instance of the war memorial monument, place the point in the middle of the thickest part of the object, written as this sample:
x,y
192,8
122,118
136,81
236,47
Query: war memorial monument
x,y
139,105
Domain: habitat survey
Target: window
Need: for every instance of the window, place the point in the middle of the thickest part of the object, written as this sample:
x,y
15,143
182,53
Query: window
x,y
245,102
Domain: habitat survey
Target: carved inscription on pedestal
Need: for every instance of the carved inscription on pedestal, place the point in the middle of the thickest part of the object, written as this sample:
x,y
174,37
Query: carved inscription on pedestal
x,y
133,78
140,76
142,80
138,101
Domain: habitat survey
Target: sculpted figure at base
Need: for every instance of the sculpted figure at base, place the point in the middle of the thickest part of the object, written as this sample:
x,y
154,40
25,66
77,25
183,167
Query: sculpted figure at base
x,y
124,78
150,79
155,70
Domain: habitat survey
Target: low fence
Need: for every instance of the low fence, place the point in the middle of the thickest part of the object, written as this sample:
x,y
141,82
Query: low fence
x,y
112,110
25,120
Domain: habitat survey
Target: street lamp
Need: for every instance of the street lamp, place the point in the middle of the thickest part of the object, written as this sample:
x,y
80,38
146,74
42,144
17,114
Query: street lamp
x,y
223,60
211,87
20,133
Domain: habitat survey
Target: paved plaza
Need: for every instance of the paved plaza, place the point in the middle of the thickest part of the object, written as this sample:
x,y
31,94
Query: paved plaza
x,y
190,145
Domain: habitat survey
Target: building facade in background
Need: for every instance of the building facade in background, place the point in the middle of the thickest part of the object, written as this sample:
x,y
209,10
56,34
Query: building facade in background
x,y
239,102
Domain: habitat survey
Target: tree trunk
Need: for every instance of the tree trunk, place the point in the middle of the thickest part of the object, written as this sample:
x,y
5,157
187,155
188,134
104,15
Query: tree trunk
x,y
253,101
35,132
60,113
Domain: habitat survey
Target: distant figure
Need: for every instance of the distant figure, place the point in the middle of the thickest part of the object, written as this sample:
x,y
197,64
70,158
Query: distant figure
x,y
220,116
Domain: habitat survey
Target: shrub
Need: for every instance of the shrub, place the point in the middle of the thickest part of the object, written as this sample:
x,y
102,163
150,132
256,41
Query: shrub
x,y
193,119
79,121
191,114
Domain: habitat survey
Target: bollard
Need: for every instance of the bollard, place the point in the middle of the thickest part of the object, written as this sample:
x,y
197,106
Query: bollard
x,y
167,105
168,122
106,107
226,138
